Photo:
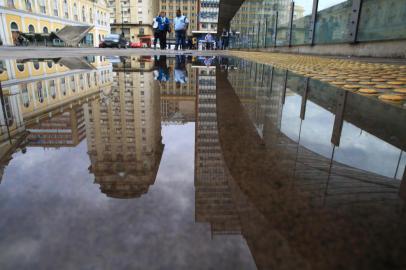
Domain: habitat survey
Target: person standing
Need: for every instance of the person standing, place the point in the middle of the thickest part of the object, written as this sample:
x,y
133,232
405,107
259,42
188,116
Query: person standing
x,y
163,29
156,32
224,39
209,41
181,24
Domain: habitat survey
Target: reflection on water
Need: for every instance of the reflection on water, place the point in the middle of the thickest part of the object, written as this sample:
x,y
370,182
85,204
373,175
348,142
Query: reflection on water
x,y
195,163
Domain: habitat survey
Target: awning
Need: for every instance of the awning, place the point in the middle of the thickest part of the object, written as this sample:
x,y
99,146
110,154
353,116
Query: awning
x,y
73,34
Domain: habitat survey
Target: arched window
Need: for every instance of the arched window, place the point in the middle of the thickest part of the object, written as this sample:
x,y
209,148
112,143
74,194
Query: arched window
x,y
14,27
83,13
49,64
31,29
57,29
98,17
45,30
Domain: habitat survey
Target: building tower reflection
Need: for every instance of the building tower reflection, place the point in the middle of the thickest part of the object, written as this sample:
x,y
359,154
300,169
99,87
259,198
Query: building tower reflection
x,y
214,203
123,131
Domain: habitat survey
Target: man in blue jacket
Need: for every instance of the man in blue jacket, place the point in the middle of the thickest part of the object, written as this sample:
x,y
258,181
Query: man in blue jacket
x,y
163,29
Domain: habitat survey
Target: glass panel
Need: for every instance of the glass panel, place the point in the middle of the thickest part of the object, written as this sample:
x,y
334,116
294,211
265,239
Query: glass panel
x,y
382,20
283,8
333,18
301,28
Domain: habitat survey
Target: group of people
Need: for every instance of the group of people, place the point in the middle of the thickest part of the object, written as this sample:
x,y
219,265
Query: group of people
x,y
162,26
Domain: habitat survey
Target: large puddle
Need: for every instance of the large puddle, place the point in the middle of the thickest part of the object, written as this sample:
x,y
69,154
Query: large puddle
x,y
195,163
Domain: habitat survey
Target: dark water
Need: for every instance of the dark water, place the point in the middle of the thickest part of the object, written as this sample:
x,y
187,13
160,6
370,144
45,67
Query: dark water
x,y
195,163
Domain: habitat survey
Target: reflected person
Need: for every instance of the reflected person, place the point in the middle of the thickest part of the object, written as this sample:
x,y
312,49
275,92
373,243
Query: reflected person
x,y
161,72
180,73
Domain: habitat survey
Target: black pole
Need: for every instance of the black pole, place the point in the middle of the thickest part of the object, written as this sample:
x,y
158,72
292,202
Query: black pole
x,y
292,10
122,20
313,22
266,31
276,27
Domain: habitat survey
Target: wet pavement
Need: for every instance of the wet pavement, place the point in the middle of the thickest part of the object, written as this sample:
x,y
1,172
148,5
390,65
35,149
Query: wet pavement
x,y
181,162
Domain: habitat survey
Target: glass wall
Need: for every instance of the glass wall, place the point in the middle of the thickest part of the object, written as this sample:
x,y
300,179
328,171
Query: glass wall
x,y
382,20
271,23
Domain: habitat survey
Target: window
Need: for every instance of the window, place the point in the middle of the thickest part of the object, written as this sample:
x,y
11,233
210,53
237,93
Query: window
x,y
65,8
25,96
142,31
91,15
83,13
75,12
40,94
49,64
10,4
14,27
9,111
42,6
45,30
55,7
31,29
28,5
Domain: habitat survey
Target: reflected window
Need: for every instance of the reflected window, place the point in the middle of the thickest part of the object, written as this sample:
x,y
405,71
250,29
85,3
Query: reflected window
x,y
49,64
9,111
52,89
2,66
25,96
20,66
36,65
40,93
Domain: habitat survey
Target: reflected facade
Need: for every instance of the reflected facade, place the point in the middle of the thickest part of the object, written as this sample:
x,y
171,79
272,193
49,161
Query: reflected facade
x,y
286,172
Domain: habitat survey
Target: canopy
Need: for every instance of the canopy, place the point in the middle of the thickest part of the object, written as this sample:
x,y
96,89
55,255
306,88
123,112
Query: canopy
x,y
73,34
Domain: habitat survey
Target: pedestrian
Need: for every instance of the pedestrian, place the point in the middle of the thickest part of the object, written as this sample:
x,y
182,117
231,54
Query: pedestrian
x,y
163,29
224,39
156,32
209,41
180,72
181,24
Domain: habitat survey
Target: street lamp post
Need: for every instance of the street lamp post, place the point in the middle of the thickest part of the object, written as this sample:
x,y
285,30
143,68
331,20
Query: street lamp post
x,y
122,20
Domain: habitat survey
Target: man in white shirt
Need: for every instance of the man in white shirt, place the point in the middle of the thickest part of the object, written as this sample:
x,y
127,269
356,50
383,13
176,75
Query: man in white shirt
x,y
181,24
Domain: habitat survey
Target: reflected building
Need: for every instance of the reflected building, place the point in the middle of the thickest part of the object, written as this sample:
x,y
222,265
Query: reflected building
x,y
43,101
66,129
123,131
213,198
178,100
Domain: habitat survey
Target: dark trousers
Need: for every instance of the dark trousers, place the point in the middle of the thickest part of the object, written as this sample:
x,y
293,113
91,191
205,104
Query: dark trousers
x,y
156,37
162,39
180,39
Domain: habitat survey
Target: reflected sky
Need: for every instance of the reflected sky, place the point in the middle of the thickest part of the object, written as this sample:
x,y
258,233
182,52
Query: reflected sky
x,y
58,218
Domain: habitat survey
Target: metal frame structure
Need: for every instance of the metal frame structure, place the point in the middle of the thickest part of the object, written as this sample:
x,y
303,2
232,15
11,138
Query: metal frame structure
x,y
352,27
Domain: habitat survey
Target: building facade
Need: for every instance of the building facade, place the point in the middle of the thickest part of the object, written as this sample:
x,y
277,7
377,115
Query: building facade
x,y
133,18
208,15
46,16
